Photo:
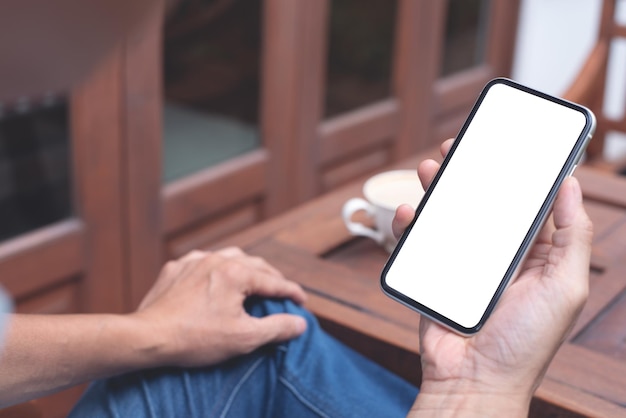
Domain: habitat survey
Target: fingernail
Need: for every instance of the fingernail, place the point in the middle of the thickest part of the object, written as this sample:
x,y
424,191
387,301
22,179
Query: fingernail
x,y
577,192
300,323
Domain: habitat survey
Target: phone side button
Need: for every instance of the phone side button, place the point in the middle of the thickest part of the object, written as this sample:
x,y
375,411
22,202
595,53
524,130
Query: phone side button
x,y
572,170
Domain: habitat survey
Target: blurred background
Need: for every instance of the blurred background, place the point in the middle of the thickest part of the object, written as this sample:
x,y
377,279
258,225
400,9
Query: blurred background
x,y
217,114
554,39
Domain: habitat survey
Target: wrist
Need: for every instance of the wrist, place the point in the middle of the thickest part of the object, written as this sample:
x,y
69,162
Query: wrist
x,y
147,343
470,399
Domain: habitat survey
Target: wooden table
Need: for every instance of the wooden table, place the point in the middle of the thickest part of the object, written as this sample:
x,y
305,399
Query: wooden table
x,y
341,274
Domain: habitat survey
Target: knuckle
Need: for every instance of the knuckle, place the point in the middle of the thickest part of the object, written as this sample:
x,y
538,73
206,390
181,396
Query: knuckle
x,y
197,254
169,267
260,261
232,251
232,269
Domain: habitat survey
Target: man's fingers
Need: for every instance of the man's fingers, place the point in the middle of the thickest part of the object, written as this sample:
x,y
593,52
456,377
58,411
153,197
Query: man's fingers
x,y
194,255
403,217
445,146
275,328
573,226
572,239
568,207
230,252
426,171
258,262
261,283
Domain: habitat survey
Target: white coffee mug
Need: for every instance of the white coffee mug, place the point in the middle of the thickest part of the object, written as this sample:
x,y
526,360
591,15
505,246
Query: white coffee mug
x,y
383,193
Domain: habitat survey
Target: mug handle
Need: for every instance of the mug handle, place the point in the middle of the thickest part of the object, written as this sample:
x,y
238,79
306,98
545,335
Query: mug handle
x,y
350,208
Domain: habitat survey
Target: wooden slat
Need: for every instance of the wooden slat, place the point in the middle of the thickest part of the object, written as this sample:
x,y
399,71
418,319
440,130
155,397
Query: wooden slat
x,y
608,334
369,162
96,117
460,90
603,288
279,95
588,81
602,186
417,57
61,299
568,398
448,127
607,19
58,250
620,31
311,56
604,217
502,27
205,234
294,62
365,127
612,247
143,106
591,372
195,197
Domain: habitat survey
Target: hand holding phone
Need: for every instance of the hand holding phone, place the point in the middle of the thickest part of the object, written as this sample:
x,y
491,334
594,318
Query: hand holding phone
x,y
486,204
499,368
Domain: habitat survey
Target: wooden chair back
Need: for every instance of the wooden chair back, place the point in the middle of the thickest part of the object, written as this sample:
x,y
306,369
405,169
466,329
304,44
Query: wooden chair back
x,y
588,87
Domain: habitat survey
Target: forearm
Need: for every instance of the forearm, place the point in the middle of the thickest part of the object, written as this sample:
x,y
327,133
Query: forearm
x,y
44,354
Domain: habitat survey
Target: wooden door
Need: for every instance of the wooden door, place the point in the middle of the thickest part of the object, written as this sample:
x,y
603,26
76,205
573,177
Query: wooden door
x,y
175,208
441,54
355,85
310,137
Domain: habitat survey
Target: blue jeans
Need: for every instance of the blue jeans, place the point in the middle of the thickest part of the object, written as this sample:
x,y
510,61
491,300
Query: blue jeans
x,y
311,376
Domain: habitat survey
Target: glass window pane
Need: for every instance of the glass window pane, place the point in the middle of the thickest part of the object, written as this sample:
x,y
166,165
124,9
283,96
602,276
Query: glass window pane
x,y
35,186
212,78
360,50
465,37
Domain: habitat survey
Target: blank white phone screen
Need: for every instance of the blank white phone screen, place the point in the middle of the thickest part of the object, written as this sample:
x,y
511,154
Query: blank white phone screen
x,y
485,202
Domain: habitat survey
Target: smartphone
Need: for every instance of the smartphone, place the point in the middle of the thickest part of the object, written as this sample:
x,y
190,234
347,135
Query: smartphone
x,y
486,204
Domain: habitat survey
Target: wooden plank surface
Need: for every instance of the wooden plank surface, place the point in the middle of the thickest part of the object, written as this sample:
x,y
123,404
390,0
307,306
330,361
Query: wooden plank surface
x,y
552,397
194,198
604,287
57,249
602,186
591,372
608,333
